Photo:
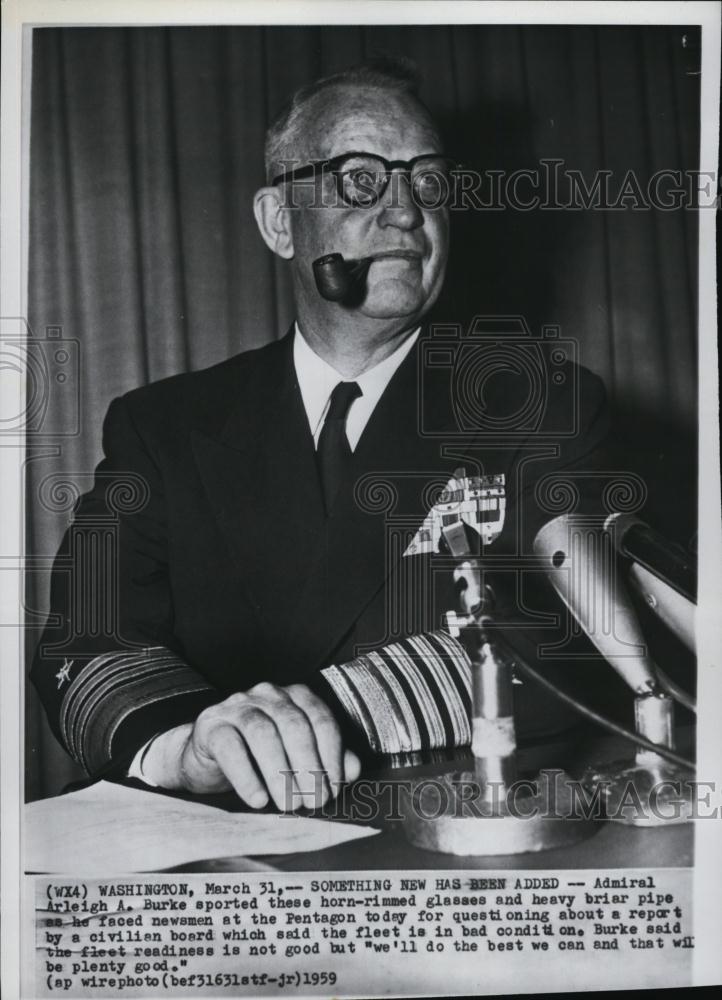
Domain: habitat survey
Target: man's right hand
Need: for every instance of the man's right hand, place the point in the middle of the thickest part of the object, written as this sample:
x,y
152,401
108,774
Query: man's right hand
x,y
248,741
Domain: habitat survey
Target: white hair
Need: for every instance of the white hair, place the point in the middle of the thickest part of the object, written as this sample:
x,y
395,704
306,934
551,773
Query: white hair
x,y
284,136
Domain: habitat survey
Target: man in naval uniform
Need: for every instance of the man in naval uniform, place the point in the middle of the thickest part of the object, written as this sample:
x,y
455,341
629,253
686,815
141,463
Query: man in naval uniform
x,y
256,552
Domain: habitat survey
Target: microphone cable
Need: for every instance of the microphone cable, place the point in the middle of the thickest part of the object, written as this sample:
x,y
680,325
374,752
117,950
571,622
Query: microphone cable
x,y
600,720
676,692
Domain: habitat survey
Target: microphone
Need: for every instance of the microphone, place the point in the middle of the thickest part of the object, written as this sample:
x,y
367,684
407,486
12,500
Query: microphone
x,y
674,610
661,572
666,560
580,565
339,280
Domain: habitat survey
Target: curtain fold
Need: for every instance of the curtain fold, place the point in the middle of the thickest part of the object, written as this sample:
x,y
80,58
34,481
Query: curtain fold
x,y
147,146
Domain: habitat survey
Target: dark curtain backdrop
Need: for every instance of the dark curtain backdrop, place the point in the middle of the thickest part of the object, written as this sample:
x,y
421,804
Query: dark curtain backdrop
x,y
146,148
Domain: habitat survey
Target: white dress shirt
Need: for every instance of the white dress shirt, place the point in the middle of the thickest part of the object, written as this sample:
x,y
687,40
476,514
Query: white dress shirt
x,y
317,380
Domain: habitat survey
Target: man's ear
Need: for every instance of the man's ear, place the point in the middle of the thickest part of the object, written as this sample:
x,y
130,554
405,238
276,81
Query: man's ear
x,y
274,220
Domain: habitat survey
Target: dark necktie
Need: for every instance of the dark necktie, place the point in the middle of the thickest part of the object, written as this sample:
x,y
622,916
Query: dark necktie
x,y
334,452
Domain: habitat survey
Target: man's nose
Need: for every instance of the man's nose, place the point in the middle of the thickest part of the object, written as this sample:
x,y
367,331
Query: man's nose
x,y
398,207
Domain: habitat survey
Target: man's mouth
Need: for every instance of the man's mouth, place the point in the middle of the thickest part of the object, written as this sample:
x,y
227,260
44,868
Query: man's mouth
x,y
396,255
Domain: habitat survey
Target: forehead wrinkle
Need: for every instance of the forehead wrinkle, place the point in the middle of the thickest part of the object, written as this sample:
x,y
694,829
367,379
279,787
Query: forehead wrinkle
x,y
344,112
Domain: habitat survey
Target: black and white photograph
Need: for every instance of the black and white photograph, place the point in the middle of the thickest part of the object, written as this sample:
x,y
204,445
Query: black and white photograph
x,y
360,406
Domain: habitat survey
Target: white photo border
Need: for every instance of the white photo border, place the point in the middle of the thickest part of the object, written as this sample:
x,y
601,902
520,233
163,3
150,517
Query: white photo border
x,y
18,17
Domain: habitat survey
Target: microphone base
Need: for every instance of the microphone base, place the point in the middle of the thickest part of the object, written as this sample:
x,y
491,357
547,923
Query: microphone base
x,y
459,814
646,790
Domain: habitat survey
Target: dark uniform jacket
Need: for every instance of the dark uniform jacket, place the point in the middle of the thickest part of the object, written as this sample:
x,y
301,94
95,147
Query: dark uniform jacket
x,y
203,561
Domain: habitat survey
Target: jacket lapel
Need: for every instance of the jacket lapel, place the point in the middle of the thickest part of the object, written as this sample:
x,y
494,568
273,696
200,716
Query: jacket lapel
x,y
260,476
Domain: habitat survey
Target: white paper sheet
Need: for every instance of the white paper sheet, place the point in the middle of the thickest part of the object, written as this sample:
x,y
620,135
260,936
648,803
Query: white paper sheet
x,y
108,828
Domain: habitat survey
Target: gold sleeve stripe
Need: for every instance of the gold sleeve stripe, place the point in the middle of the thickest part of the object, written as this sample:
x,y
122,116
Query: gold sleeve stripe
x,y
111,687
411,695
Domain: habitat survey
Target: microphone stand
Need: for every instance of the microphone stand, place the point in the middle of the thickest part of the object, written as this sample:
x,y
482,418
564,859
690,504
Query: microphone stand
x,y
646,790
489,810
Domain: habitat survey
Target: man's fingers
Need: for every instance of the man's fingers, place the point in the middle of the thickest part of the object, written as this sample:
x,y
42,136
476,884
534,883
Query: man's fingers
x,y
299,741
286,738
264,741
326,732
351,765
225,744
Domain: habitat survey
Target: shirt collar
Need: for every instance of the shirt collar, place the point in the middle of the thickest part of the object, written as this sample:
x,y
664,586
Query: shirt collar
x,y
317,378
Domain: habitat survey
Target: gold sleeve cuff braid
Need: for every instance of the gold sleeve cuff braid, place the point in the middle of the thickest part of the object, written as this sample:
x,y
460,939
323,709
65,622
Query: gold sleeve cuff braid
x,y
109,688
